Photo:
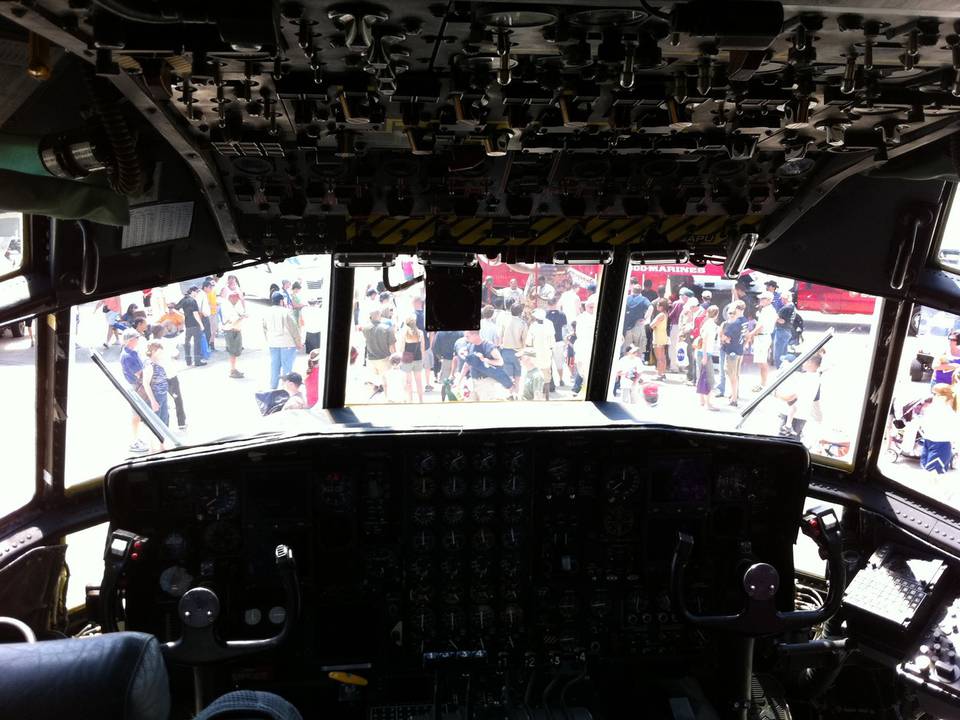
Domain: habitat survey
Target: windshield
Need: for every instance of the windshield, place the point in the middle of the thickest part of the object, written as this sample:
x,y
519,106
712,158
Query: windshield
x,y
208,357
764,354
536,334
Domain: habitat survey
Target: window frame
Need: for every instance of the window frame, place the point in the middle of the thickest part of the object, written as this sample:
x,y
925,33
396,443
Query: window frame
x,y
951,205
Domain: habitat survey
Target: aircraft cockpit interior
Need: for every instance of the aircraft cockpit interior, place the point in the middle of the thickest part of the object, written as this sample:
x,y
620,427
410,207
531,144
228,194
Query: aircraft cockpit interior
x,y
479,360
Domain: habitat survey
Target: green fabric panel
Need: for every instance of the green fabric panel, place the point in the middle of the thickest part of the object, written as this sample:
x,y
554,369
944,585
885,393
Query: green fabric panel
x,y
21,153
64,199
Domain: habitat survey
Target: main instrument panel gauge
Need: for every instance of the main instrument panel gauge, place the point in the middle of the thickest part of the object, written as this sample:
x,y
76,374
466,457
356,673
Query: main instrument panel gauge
x,y
510,566
618,521
484,539
452,620
621,482
454,486
453,515
483,513
512,616
424,487
512,537
487,459
456,461
517,460
450,568
480,568
424,515
423,621
480,593
513,513
452,540
422,541
452,594
514,484
481,618
424,462
421,567
222,537
223,499
175,581
175,545
484,486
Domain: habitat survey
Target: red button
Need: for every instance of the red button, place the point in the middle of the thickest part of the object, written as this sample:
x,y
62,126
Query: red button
x,y
134,556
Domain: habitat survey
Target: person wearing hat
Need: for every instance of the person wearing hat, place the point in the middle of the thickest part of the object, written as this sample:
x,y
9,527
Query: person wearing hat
x,y
232,314
706,299
534,385
292,383
193,326
283,338
772,287
131,364
761,337
628,373
541,339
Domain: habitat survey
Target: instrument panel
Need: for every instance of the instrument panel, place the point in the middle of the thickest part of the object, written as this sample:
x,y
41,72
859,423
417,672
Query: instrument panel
x,y
505,552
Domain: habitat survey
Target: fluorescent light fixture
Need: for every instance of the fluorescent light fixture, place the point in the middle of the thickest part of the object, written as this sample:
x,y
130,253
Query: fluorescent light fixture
x,y
738,258
447,258
660,257
582,257
364,260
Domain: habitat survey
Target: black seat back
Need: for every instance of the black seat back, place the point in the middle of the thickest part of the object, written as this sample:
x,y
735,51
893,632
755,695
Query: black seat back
x,y
119,676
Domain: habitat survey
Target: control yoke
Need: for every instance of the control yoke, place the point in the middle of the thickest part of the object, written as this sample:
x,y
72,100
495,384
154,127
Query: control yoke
x,y
199,609
761,582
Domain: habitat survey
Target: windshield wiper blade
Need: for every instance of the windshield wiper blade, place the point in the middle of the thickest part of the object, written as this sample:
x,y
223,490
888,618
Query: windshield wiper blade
x,y
784,374
150,419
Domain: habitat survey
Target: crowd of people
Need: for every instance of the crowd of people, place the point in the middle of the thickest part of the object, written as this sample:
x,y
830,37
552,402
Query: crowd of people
x,y
169,334
532,341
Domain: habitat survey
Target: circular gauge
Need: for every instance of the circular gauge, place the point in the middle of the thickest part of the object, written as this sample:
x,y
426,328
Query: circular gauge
x,y
481,619
517,19
175,581
424,515
454,486
224,500
514,484
600,604
424,462
421,594
513,513
512,537
484,486
487,459
512,616
517,460
452,620
422,541
252,616
423,621
175,545
480,593
621,482
424,487
479,568
421,567
221,537
483,513
607,17
456,461
618,521
510,566
453,514
452,540
450,568
277,615
559,468
568,605
452,594
484,540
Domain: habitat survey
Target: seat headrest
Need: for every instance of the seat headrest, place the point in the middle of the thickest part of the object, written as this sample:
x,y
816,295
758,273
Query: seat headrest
x,y
119,676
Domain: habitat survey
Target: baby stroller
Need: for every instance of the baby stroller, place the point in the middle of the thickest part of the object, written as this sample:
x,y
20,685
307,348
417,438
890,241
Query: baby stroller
x,y
905,438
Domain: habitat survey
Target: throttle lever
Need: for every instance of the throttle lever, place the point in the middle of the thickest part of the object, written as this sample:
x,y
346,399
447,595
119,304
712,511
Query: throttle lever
x,y
761,582
199,609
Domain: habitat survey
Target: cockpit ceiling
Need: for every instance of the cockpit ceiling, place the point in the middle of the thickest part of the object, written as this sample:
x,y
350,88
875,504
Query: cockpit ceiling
x,y
499,124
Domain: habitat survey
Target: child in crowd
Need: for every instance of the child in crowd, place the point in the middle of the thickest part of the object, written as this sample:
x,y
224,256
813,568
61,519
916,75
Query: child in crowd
x,y
312,382
155,381
939,426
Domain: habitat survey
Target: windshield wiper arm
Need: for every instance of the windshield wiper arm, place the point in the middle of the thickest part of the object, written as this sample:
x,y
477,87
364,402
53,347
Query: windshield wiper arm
x,y
784,374
154,423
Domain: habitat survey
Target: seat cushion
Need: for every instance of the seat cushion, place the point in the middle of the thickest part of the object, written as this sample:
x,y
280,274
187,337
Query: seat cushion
x,y
249,705
118,676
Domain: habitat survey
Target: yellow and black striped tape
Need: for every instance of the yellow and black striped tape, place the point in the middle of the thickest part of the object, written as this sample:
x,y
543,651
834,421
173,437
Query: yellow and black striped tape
x,y
705,230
